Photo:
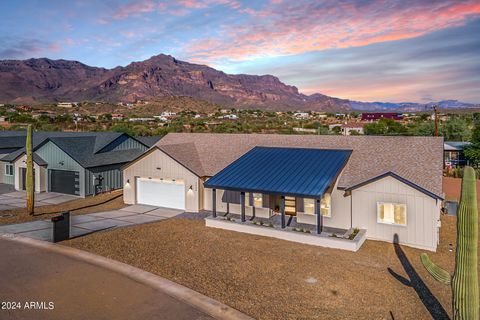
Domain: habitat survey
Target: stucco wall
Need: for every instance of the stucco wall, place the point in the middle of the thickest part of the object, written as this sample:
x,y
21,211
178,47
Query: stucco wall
x,y
40,175
423,213
158,165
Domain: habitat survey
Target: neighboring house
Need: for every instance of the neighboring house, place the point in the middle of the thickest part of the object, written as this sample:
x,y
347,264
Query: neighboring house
x,y
78,163
374,116
386,185
453,154
348,128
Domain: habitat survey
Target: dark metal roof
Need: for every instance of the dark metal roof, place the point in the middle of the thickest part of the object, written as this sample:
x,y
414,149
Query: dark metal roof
x,y
284,171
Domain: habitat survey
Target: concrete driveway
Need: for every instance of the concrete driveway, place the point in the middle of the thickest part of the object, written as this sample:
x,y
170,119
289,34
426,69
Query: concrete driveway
x,y
17,199
74,289
88,223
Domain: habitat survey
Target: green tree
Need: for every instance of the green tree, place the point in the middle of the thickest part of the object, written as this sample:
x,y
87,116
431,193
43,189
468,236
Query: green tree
x,y
456,129
386,127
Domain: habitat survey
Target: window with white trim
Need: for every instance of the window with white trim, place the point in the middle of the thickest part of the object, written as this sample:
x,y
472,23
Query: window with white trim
x,y
392,213
257,200
8,169
325,205
309,206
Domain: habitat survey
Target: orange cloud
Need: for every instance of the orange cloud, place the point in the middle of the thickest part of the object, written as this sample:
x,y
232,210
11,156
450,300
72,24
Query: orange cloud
x,y
290,28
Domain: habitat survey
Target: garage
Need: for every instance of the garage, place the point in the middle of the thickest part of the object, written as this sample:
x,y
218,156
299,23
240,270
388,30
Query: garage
x,y
63,181
161,193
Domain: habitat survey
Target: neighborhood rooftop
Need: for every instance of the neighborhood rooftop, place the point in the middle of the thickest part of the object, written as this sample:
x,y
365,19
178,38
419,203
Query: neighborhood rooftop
x,y
417,159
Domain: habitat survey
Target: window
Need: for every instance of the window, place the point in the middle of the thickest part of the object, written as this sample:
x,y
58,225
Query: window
x,y
392,213
8,169
309,205
257,200
325,205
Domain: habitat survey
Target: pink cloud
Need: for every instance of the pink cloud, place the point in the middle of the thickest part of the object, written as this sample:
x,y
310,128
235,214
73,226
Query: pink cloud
x,y
296,27
137,7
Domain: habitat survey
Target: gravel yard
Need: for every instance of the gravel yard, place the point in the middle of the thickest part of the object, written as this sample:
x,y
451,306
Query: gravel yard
x,y
103,202
275,279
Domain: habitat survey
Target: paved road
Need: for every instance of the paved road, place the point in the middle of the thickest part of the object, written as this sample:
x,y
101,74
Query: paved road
x,y
78,290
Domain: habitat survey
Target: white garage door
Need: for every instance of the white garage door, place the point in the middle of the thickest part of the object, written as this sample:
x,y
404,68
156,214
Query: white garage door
x,y
169,194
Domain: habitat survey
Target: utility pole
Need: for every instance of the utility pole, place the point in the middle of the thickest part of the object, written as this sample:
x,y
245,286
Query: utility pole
x,y
436,119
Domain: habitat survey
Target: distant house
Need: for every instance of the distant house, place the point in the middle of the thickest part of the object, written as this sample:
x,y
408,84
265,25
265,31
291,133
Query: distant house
x,y
305,130
374,116
161,118
77,163
66,104
349,128
23,108
117,116
141,119
453,153
229,116
301,115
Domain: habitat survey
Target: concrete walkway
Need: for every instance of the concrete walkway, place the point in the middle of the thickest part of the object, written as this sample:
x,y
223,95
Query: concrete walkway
x,y
78,290
88,223
17,199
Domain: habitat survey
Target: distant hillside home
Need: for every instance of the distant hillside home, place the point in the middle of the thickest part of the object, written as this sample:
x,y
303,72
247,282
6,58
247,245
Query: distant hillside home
x,y
352,128
453,153
77,163
386,187
374,116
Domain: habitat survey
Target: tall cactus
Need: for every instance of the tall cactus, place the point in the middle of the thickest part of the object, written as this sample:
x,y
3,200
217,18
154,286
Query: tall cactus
x,y
29,182
464,281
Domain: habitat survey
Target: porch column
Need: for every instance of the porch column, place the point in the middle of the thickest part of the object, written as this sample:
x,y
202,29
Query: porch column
x,y
242,205
282,210
214,202
319,216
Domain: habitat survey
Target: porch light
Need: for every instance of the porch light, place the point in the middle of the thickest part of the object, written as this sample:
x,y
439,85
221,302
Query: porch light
x,y
191,187
61,163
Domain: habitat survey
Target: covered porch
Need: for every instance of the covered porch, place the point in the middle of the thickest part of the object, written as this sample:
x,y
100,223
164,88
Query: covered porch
x,y
270,191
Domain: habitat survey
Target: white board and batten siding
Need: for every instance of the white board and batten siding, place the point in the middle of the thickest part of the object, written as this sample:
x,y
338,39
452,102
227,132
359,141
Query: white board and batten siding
x,y
158,165
423,213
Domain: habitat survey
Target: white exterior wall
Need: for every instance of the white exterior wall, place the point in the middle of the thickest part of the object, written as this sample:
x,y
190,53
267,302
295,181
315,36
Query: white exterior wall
x,y
233,207
423,213
40,174
168,169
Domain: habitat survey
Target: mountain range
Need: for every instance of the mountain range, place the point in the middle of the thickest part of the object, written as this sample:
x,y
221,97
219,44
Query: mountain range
x,y
44,80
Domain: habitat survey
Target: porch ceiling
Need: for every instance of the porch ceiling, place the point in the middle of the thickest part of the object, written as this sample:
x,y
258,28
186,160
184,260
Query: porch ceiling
x,y
283,171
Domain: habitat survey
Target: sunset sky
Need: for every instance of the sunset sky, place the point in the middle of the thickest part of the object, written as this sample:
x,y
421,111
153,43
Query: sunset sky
x,y
369,50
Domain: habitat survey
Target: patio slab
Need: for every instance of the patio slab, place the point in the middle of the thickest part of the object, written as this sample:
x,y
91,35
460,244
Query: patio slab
x,y
103,224
5,207
139,208
76,232
59,199
46,195
113,214
44,234
140,218
15,194
164,212
24,227
83,219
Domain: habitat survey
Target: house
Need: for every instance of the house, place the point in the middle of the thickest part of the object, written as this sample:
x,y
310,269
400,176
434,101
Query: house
x,y
66,104
301,115
141,119
374,116
386,186
118,116
23,108
78,163
350,127
453,154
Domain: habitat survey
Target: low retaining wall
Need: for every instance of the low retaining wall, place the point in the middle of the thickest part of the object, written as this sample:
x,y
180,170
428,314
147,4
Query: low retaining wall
x,y
294,236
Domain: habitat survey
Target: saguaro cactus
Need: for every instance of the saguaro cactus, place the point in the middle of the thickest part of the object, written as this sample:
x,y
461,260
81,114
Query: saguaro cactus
x,y
464,281
29,182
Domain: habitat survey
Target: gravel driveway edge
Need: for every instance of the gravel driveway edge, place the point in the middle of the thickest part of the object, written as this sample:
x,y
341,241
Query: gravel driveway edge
x,y
208,305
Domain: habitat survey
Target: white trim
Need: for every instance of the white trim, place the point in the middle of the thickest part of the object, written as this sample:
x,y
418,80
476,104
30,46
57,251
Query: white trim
x,y
13,169
379,203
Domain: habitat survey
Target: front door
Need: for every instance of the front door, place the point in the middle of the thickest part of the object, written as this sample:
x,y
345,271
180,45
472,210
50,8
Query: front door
x,y
290,206
23,177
